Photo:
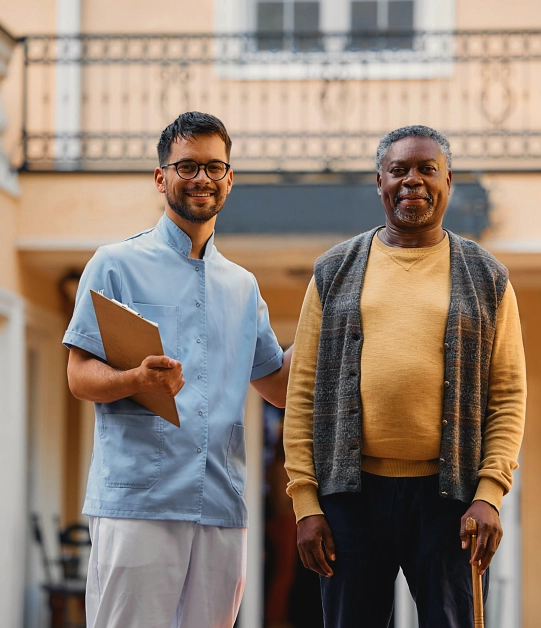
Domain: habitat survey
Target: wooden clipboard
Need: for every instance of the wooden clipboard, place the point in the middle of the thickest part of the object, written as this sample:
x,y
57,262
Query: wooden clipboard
x,y
128,339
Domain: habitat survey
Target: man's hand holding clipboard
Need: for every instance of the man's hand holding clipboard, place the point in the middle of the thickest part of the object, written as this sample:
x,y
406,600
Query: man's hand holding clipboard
x,y
132,342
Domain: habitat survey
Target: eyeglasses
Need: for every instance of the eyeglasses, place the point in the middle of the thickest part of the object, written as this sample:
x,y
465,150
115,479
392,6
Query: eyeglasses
x,y
188,169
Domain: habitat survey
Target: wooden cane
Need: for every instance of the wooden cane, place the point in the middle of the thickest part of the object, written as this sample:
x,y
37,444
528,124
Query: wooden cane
x,y
477,584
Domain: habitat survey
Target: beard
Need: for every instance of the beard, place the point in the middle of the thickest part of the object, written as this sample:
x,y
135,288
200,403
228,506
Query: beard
x,y
187,208
412,217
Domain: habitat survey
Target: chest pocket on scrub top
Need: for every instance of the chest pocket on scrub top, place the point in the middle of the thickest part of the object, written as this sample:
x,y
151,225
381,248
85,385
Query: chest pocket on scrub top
x,y
167,317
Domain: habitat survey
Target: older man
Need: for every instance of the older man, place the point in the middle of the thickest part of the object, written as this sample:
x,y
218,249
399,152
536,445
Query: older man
x,y
406,402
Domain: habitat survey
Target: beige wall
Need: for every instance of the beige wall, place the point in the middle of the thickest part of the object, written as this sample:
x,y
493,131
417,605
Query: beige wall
x,y
9,277
35,285
497,14
123,16
27,17
81,206
142,16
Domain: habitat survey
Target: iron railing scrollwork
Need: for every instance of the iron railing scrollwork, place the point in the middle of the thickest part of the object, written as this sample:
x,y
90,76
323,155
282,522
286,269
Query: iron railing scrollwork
x,y
100,101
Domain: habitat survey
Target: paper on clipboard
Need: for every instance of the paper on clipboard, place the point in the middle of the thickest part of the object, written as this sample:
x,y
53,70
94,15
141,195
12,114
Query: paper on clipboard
x,y
128,339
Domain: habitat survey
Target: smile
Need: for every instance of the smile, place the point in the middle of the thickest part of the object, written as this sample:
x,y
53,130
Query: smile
x,y
199,194
413,199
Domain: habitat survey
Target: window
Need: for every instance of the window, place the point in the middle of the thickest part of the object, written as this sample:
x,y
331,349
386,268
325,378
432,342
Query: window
x,y
381,16
293,25
349,39
288,25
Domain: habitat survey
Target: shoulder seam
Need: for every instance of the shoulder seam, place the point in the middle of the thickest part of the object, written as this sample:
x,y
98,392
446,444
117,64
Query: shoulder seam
x,y
110,254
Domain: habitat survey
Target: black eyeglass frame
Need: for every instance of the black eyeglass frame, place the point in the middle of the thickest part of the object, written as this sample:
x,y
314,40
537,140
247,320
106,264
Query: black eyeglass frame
x,y
199,166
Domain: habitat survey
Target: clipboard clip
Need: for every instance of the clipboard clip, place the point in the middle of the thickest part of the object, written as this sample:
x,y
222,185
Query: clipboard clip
x,y
127,308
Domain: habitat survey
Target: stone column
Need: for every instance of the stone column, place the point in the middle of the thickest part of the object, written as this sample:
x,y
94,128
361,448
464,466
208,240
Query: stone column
x,y
68,86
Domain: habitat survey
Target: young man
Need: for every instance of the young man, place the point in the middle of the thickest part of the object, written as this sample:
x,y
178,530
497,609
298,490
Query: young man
x,y
406,402
166,507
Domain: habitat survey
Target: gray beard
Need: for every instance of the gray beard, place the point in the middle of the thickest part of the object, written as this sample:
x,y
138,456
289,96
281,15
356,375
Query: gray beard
x,y
413,218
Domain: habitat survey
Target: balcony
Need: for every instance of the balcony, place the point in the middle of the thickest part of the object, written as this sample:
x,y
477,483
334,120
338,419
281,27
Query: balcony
x,y
99,102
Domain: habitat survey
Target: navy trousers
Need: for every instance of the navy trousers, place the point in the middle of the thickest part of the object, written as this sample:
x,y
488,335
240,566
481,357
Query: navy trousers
x,y
393,523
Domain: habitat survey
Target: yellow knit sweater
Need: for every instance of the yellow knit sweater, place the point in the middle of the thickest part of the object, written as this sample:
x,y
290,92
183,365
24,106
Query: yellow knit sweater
x,y
404,306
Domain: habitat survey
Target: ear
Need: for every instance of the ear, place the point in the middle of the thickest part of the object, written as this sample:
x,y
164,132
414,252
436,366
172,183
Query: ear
x,y
230,178
378,181
159,180
449,179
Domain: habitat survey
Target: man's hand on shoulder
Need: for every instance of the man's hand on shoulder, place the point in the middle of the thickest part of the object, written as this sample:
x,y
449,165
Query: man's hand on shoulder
x,y
315,544
489,533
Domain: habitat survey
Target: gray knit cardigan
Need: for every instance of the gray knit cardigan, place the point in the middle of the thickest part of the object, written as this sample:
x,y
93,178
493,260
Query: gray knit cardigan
x,y
478,282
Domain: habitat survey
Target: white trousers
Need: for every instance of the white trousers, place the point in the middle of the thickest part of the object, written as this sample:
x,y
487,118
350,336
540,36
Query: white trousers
x,y
164,574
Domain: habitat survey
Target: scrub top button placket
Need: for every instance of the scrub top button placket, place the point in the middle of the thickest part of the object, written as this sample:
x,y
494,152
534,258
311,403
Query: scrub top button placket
x,y
201,340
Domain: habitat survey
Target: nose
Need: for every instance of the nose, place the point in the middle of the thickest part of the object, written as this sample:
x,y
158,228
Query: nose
x,y
412,178
201,174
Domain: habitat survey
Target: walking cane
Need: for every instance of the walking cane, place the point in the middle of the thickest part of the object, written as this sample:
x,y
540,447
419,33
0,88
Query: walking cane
x,y
477,585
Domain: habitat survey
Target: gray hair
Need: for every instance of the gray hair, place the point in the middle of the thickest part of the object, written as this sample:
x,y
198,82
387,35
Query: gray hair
x,y
416,130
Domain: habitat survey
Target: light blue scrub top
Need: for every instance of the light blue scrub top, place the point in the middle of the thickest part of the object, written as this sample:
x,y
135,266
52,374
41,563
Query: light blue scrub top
x,y
212,318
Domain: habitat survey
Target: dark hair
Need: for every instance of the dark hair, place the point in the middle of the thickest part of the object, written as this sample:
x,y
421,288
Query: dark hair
x,y
191,124
412,131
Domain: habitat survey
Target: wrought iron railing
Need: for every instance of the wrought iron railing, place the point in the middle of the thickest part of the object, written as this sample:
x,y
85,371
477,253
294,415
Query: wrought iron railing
x,y
99,102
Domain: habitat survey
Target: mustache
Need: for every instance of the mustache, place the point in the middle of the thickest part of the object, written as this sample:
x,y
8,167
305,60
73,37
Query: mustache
x,y
195,188
199,189
419,193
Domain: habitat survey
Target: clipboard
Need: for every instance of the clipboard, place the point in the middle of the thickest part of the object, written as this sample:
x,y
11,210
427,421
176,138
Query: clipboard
x,y
128,339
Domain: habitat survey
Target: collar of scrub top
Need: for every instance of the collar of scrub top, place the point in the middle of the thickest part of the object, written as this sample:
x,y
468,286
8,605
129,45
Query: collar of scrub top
x,y
179,240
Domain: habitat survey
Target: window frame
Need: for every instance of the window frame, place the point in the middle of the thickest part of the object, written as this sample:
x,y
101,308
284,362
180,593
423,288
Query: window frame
x,y
238,16
381,24
289,34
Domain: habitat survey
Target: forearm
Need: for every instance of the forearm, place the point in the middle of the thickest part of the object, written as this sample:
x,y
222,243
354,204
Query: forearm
x,y
298,423
501,446
504,424
303,485
273,387
299,442
92,380
299,432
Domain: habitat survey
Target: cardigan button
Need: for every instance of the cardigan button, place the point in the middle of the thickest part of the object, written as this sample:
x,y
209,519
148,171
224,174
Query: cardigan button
x,y
444,494
356,336
442,460
446,384
446,345
445,421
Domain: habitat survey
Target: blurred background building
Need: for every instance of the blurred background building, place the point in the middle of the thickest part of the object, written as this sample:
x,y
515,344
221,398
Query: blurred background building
x,y
306,89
